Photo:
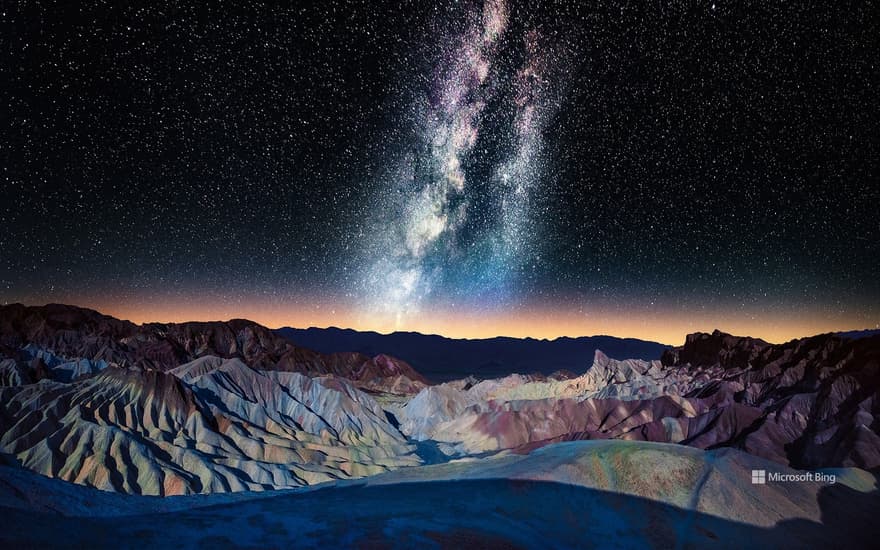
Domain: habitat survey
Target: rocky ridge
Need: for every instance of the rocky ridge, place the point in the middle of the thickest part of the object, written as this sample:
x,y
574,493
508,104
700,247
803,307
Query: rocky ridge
x,y
62,342
808,403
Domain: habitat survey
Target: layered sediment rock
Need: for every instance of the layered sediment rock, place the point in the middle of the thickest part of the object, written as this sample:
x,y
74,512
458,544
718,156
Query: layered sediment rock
x,y
211,425
808,403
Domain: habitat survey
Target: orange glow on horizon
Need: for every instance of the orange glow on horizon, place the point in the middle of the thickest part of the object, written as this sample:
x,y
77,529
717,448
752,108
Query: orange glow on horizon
x,y
668,326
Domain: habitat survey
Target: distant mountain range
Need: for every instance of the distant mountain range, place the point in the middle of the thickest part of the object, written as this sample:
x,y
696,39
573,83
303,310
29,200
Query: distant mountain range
x,y
441,359
63,342
857,334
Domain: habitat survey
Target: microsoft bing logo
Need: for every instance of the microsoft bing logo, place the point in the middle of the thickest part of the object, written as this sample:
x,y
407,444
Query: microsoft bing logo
x,y
761,477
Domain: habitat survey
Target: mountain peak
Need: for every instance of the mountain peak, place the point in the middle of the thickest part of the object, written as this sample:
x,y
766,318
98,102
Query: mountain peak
x,y
74,333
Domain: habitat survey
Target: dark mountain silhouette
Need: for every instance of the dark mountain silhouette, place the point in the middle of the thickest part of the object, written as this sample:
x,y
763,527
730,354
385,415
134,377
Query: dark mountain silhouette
x,y
31,336
857,334
442,359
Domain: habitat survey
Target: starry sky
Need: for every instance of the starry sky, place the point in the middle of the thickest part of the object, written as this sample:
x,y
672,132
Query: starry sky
x,y
524,168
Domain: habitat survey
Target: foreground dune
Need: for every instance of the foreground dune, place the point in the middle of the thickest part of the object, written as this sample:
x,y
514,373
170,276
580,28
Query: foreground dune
x,y
602,494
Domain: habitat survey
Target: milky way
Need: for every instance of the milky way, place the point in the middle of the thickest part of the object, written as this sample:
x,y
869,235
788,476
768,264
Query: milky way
x,y
468,167
434,250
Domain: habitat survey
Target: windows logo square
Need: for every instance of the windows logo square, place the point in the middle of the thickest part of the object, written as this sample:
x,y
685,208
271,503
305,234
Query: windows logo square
x,y
759,477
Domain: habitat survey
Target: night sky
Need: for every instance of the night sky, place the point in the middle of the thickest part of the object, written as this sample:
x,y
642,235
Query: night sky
x,y
520,168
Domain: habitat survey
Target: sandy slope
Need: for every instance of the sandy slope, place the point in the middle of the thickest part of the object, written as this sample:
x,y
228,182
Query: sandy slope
x,y
579,494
